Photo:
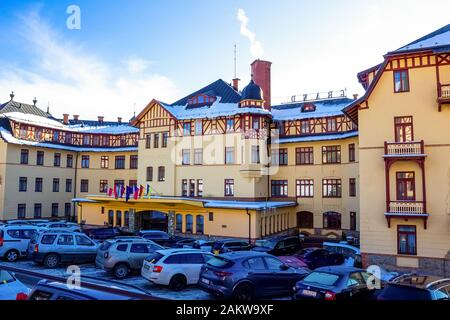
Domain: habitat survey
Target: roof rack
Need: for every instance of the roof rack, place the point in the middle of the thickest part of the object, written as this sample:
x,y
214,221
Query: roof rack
x,y
437,282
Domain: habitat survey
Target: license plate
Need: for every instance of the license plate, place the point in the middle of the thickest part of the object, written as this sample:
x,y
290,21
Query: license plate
x,y
205,281
146,267
309,293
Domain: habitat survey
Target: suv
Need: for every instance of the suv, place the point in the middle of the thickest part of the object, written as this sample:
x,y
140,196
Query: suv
x,y
416,287
102,234
14,240
278,246
61,226
229,245
124,255
175,268
160,237
54,247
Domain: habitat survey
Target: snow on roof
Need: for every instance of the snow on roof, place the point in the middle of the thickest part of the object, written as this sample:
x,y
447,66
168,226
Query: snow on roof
x,y
438,38
217,109
8,137
322,137
33,120
324,108
261,205
114,129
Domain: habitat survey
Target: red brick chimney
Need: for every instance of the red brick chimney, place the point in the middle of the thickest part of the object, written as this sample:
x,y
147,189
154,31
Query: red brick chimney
x,y
100,119
65,118
119,119
261,76
236,84
76,117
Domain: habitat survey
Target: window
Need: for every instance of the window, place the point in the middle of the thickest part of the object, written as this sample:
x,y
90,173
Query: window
x,y
404,129
192,188
156,141
407,240
103,186
187,129
229,187
133,162
184,188
38,185
119,183
68,185
21,211
55,210
110,217
161,174
83,241
305,127
165,139
283,157
352,187
189,223
332,220
65,240
401,81
305,220
406,189
24,156
230,125
331,125
133,183
23,182
104,162
304,156
179,223
85,161
198,156
120,162
331,154
332,188
199,225
57,160
55,185
84,186
229,155
199,188
37,211
255,264
186,157
149,173
255,123
148,141
198,128
255,155
211,216
119,218
69,161
353,221
279,188
351,153
305,188
40,158
67,209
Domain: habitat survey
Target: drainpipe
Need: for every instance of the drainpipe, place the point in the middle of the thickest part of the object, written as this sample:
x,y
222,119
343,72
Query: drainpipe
x,y
74,185
249,227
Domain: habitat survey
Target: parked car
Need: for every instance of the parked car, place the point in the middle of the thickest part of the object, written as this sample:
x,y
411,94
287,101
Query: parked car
x,y
51,248
10,287
14,240
230,245
185,243
18,222
416,287
51,290
203,245
121,256
175,268
316,258
334,283
278,246
352,254
102,234
164,239
248,275
293,262
61,226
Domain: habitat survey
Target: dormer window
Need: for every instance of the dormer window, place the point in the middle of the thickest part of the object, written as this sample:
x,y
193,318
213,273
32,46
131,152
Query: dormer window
x,y
201,100
309,107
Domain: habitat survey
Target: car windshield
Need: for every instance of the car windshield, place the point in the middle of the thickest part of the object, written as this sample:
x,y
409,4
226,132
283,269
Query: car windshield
x,y
154,258
6,277
265,243
327,279
218,262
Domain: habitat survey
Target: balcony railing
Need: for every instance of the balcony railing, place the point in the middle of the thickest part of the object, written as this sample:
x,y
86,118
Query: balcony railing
x,y
404,148
444,92
407,208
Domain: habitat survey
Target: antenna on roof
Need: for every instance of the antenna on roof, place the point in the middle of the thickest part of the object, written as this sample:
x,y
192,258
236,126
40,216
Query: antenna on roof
x,y
134,110
34,101
12,95
48,107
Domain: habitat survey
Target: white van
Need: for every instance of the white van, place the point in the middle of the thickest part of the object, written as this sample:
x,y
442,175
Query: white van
x,y
14,240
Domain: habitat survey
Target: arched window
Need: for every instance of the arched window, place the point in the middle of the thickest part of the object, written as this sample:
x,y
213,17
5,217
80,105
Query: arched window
x,y
119,218
111,217
305,220
200,224
332,220
189,223
179,223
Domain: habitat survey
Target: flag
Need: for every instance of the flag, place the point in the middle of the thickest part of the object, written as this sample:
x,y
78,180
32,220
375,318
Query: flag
x,y
147,194
141,191
136,192
116,192
110,192
122,191
127,196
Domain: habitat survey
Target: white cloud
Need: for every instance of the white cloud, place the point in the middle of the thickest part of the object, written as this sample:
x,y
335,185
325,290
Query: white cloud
x,y
73,80
256,48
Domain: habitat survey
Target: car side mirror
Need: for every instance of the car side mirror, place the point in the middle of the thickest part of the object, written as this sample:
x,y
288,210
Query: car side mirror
x,y
284,267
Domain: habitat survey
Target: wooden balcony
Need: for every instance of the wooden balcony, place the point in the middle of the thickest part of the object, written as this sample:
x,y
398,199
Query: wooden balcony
x,y
443,95
405,150
407,209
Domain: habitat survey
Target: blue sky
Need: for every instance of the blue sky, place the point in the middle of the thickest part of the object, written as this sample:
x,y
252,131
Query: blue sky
x,y
128,52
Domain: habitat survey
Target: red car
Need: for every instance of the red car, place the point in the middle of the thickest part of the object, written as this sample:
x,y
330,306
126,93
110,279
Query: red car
x,y
314,258
293,262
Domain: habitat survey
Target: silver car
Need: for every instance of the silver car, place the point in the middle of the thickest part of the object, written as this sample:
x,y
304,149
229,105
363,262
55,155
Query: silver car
x,y
120,256
14,240
51,248
10,287
62,226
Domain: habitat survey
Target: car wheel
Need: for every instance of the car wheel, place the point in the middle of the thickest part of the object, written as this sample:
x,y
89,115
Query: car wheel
x,y
51,261
121,271
243,292
12,256
178,282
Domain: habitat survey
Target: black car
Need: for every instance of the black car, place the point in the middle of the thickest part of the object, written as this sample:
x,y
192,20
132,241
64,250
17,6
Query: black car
x,y
316,258
335,283
416,287
164,239
279,246
248,275
230,245
103,234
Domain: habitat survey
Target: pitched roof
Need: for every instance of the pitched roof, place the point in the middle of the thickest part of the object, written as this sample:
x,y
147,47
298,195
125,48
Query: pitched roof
x,y
14,106
439,40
